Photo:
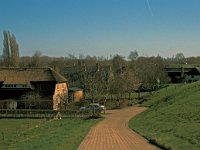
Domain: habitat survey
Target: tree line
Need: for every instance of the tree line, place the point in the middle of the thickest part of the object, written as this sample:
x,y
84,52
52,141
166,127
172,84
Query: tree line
x,y
128,73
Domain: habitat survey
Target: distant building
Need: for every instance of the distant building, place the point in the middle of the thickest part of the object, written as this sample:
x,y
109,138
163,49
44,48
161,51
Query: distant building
x,y
193,75
75,94
19,83
183,73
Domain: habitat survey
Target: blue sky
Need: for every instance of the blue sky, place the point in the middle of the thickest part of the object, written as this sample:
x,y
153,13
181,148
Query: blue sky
x,y
103,27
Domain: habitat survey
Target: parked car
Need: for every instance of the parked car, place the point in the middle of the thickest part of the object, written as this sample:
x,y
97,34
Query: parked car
x,y
94,107
103,107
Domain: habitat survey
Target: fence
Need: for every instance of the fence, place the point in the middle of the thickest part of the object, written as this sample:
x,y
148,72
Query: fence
x,y
28,113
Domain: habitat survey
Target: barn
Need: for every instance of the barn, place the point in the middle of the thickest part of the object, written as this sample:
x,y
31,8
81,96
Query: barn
x,y
37,87
183,73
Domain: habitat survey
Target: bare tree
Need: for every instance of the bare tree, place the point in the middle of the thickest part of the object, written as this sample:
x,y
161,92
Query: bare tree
x,y
36,59
31,100
151,70
14,51
118,64
71,56
132,82
133,55
117,85
96,85
180,58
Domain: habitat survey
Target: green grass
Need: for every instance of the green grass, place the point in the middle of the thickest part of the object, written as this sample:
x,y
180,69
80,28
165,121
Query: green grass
x,y
23,134
173,119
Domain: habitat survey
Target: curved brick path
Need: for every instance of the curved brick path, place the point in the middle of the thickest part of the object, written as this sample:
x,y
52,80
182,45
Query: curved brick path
x,y
113,133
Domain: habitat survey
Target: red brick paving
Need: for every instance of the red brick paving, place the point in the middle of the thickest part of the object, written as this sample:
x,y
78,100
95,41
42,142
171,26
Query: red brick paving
x,y
113,133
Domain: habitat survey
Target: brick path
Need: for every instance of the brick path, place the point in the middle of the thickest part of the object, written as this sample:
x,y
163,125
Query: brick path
x,y
113,133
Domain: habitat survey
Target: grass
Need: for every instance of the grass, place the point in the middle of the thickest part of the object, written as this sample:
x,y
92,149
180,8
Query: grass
x,y
173,119
23,134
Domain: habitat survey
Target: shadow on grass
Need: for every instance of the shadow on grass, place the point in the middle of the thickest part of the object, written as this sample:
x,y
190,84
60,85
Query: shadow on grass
x,y
154,142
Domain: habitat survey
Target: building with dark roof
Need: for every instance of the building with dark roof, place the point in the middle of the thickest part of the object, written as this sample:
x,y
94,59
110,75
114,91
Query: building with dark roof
x,y
183,73
20,83
193,75
75,94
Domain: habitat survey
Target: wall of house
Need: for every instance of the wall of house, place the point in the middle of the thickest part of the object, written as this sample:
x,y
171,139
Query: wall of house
x,y
44,88
77,96
61,91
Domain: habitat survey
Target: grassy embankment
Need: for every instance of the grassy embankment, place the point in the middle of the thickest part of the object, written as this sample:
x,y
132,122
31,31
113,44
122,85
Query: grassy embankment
x,y
173,119
42,134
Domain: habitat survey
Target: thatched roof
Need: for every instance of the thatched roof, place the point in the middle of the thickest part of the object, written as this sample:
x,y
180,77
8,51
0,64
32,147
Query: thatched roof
x,y
27,75
74,89
198,69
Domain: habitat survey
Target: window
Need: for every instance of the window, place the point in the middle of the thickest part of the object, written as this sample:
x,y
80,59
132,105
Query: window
x,y
10,85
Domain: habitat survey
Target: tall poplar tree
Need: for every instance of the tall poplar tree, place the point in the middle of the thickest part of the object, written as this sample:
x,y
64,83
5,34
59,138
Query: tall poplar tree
x,y
10,50
6,48
14,51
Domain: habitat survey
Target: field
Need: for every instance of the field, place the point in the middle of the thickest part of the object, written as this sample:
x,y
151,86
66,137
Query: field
x,y
43,134
173,120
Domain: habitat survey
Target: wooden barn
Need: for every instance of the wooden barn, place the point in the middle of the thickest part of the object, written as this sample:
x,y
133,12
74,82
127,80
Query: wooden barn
x,y
43,86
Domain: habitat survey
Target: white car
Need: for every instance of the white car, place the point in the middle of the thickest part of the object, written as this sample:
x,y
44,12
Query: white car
x,y
93,107
102,107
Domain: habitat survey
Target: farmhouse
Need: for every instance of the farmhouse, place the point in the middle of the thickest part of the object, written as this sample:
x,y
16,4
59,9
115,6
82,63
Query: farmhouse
x,y
193,75
33,87
183,73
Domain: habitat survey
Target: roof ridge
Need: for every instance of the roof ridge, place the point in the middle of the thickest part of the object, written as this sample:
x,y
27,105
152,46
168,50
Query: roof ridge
x,y
25,68
58,77
24,75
